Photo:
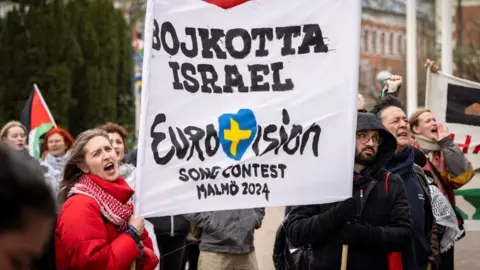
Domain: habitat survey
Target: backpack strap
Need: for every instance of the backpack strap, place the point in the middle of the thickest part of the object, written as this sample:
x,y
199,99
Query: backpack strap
x,y
386,182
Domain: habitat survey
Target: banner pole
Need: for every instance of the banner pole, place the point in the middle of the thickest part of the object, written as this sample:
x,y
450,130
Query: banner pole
x,y
344,257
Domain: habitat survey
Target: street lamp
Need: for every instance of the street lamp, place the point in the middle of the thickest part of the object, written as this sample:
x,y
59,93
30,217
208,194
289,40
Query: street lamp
x,y
383,75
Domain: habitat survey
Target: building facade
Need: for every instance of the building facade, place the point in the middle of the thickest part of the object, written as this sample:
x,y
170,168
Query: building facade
x,y
466,39
383,41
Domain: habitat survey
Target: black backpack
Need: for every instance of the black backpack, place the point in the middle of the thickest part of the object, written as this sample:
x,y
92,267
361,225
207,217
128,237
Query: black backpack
x,y
283,258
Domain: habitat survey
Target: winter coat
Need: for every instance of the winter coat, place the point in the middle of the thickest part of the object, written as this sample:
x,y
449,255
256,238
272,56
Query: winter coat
x,y
85,240
228,231
449,160
383,208
425,245
447,165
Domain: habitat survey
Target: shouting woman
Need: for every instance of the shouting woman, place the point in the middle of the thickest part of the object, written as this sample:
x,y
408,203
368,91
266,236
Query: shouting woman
x,y
446,162
118,138
96,228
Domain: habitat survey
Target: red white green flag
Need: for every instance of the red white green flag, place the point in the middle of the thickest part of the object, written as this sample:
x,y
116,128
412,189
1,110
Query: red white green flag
x,y
37,119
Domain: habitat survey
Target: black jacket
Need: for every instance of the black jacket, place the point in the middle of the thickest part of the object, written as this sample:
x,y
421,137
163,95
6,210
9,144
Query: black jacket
x,y
170,225
425,247
131,157
388,214
432,229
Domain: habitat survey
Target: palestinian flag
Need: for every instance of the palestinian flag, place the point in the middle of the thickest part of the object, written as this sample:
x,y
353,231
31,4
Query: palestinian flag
x,y
38,120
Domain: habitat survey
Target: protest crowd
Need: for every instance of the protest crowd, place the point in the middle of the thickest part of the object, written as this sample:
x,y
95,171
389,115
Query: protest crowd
x,y
73,207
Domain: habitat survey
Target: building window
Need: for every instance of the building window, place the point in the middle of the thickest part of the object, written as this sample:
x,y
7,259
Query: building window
x,y
374,41
382,43
366,37
391,44
426,47
420,51
400,45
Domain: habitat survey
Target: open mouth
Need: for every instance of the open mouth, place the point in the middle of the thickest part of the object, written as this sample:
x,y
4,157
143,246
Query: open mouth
x,y
109,168
434,130
402,134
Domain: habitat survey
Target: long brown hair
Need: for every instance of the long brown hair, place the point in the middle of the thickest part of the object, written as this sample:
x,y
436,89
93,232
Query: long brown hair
x,y
72,172
111,127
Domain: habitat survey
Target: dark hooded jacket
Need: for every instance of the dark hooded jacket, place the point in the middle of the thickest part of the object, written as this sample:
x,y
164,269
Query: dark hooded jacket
x,y
383,207
425,245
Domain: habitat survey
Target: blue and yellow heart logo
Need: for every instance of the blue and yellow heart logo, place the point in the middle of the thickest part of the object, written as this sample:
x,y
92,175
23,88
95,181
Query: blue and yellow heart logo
x,y
237,132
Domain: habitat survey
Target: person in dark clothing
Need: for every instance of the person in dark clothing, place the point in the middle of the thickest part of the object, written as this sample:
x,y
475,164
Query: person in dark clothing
x,y
425,250
192,249
171,242
374,222
171,232
131,157
28,212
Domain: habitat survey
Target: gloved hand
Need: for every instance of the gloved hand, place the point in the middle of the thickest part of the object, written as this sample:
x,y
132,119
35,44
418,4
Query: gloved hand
x,y
345,211
356,233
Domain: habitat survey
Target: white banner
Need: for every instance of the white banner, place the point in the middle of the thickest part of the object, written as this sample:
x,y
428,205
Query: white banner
x,y
247,104
457,102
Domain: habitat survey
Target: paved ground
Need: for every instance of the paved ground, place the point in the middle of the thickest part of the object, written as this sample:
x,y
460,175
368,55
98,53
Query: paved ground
x,y
467,252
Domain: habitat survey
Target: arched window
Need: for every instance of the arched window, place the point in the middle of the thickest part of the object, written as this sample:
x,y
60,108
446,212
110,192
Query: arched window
x,y
374,41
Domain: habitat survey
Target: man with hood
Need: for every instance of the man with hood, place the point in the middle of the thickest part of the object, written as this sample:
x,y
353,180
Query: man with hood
x,y
425,250
375,223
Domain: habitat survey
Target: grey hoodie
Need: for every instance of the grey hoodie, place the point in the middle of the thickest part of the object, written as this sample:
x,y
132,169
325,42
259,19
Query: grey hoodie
x,y
228,231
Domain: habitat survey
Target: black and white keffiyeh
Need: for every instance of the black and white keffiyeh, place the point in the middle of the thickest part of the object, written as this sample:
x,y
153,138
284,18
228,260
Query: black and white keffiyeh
x,y
445,216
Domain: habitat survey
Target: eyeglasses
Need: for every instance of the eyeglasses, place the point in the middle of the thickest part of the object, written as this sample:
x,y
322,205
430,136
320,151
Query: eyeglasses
x,y
364,138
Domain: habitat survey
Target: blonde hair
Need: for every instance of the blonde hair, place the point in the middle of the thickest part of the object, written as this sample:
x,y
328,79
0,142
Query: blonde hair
x,y
8,126
72,172
415,116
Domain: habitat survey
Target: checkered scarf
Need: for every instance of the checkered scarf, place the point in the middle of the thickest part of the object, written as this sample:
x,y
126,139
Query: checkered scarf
x,y
111,208
445,216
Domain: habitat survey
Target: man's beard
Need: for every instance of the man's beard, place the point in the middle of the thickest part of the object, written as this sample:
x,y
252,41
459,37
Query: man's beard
x,y
363,159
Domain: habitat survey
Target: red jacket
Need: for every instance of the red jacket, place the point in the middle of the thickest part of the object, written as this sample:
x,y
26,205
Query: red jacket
x,y
84,240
